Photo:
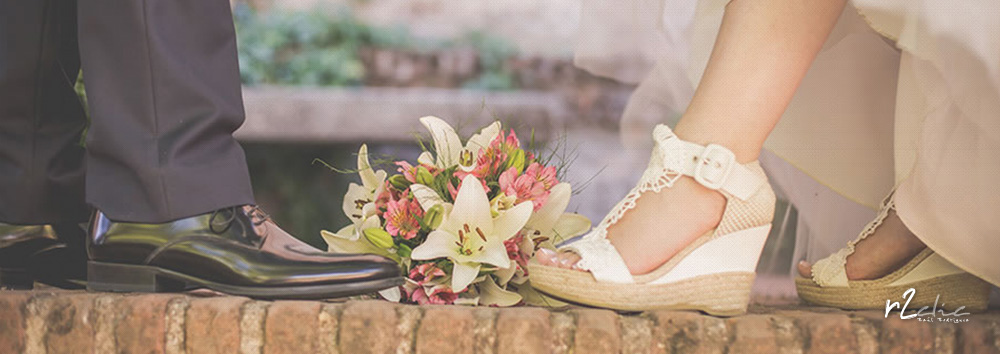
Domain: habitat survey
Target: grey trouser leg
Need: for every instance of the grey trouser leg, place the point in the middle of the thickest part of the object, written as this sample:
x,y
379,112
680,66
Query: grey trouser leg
x,y
164,92
41,119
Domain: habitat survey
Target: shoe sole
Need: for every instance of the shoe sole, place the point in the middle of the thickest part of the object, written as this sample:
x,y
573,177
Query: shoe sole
x,y
713,274
112,277
720,294
954,290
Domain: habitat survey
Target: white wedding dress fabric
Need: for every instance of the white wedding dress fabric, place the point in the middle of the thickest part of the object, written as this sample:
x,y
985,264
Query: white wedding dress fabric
x,y
904,94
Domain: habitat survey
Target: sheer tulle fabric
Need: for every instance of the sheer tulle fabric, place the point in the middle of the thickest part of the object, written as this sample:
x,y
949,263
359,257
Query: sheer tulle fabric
x,y
904,92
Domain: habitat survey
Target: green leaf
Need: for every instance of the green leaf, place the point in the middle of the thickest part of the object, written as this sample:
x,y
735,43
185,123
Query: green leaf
x,y
404,251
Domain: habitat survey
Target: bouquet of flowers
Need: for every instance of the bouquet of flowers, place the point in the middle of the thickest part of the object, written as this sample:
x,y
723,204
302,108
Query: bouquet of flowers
x,y
463,222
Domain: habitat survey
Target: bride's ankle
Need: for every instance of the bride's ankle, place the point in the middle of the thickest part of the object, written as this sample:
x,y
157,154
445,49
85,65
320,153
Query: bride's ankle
x,y
745,148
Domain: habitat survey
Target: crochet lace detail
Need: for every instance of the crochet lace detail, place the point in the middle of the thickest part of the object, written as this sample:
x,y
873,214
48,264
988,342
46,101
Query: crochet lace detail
x,y
831,271
662,172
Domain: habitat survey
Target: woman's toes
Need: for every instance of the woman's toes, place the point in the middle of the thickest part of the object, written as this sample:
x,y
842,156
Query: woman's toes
x,y
547,257
805,269
567,260
556,259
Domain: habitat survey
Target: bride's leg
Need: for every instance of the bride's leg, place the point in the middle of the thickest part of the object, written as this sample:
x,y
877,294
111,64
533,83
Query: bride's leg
x,y
763,50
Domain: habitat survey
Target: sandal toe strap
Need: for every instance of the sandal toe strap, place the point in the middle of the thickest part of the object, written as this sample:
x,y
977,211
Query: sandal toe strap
x,y
830,271
601,259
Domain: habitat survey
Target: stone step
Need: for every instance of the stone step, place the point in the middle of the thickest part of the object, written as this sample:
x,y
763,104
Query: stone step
x,y
43,321
306,115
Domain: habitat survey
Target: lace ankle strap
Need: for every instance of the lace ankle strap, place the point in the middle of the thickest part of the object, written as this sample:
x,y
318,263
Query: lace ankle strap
x,y
713,166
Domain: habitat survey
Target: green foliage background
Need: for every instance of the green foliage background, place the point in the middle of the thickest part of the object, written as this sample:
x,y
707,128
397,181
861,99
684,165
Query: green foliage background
x,y
322,48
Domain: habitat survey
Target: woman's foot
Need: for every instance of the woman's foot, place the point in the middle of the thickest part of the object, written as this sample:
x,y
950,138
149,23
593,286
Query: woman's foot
x,y
881,253
679,215
689,193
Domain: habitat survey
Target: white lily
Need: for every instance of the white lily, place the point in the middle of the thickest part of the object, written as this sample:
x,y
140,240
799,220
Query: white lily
x,y
359,201
449,148
346,240
425,196
534,298
492,294
553,222
502,202
504,275
391,294
469,236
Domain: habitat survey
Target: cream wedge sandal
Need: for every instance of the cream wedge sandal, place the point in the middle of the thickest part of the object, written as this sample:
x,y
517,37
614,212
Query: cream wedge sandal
x,y
929,274
712,274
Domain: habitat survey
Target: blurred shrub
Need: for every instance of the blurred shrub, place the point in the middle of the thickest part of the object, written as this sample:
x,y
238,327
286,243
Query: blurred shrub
x,y
305,197
493,53
301,196
302,48
316,48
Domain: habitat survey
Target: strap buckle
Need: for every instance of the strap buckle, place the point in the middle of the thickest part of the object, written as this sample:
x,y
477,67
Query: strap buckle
x,y
713,167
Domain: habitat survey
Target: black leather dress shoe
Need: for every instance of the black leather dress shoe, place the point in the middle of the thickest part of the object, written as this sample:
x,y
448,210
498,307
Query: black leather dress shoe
x,y
49,254
234,250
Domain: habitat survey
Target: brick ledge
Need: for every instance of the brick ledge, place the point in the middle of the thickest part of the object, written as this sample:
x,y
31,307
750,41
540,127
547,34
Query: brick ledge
x,y
61,321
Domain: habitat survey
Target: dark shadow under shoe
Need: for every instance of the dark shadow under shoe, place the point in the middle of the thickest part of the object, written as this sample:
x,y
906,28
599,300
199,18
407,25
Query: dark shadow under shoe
x,y
234,250
49,254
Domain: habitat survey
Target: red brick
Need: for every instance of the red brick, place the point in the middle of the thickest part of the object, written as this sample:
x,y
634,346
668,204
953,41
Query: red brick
x,y
688,332
12,316
328,322
524,330
142,324
753,334
975,336
70,320
485,329
906,336
829,333
292,327
446,329
597,331
213,325
368,327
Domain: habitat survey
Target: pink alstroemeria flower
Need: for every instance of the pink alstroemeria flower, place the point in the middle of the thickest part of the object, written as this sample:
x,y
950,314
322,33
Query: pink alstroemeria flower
x,y
402,217
426,272
491,159
533,185
514,251
409,171
438,295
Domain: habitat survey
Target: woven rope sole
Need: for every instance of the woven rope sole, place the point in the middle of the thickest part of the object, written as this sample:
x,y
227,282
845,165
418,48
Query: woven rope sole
x,y
722,294
955,291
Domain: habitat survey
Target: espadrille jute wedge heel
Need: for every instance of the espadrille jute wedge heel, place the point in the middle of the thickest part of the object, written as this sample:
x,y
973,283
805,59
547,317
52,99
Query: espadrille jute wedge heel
x,y
936,281
713,274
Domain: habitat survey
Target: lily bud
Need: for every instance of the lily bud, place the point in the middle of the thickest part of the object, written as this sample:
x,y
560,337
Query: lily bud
x,y
433,217
404,251
400,182
516,160
379,237
424,176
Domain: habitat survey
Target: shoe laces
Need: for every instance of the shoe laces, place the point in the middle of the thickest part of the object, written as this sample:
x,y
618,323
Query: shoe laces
x,y
256,215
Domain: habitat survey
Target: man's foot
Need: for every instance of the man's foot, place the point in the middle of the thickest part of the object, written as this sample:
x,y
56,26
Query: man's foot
x,y
236,250
49,254
881,253
678,214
